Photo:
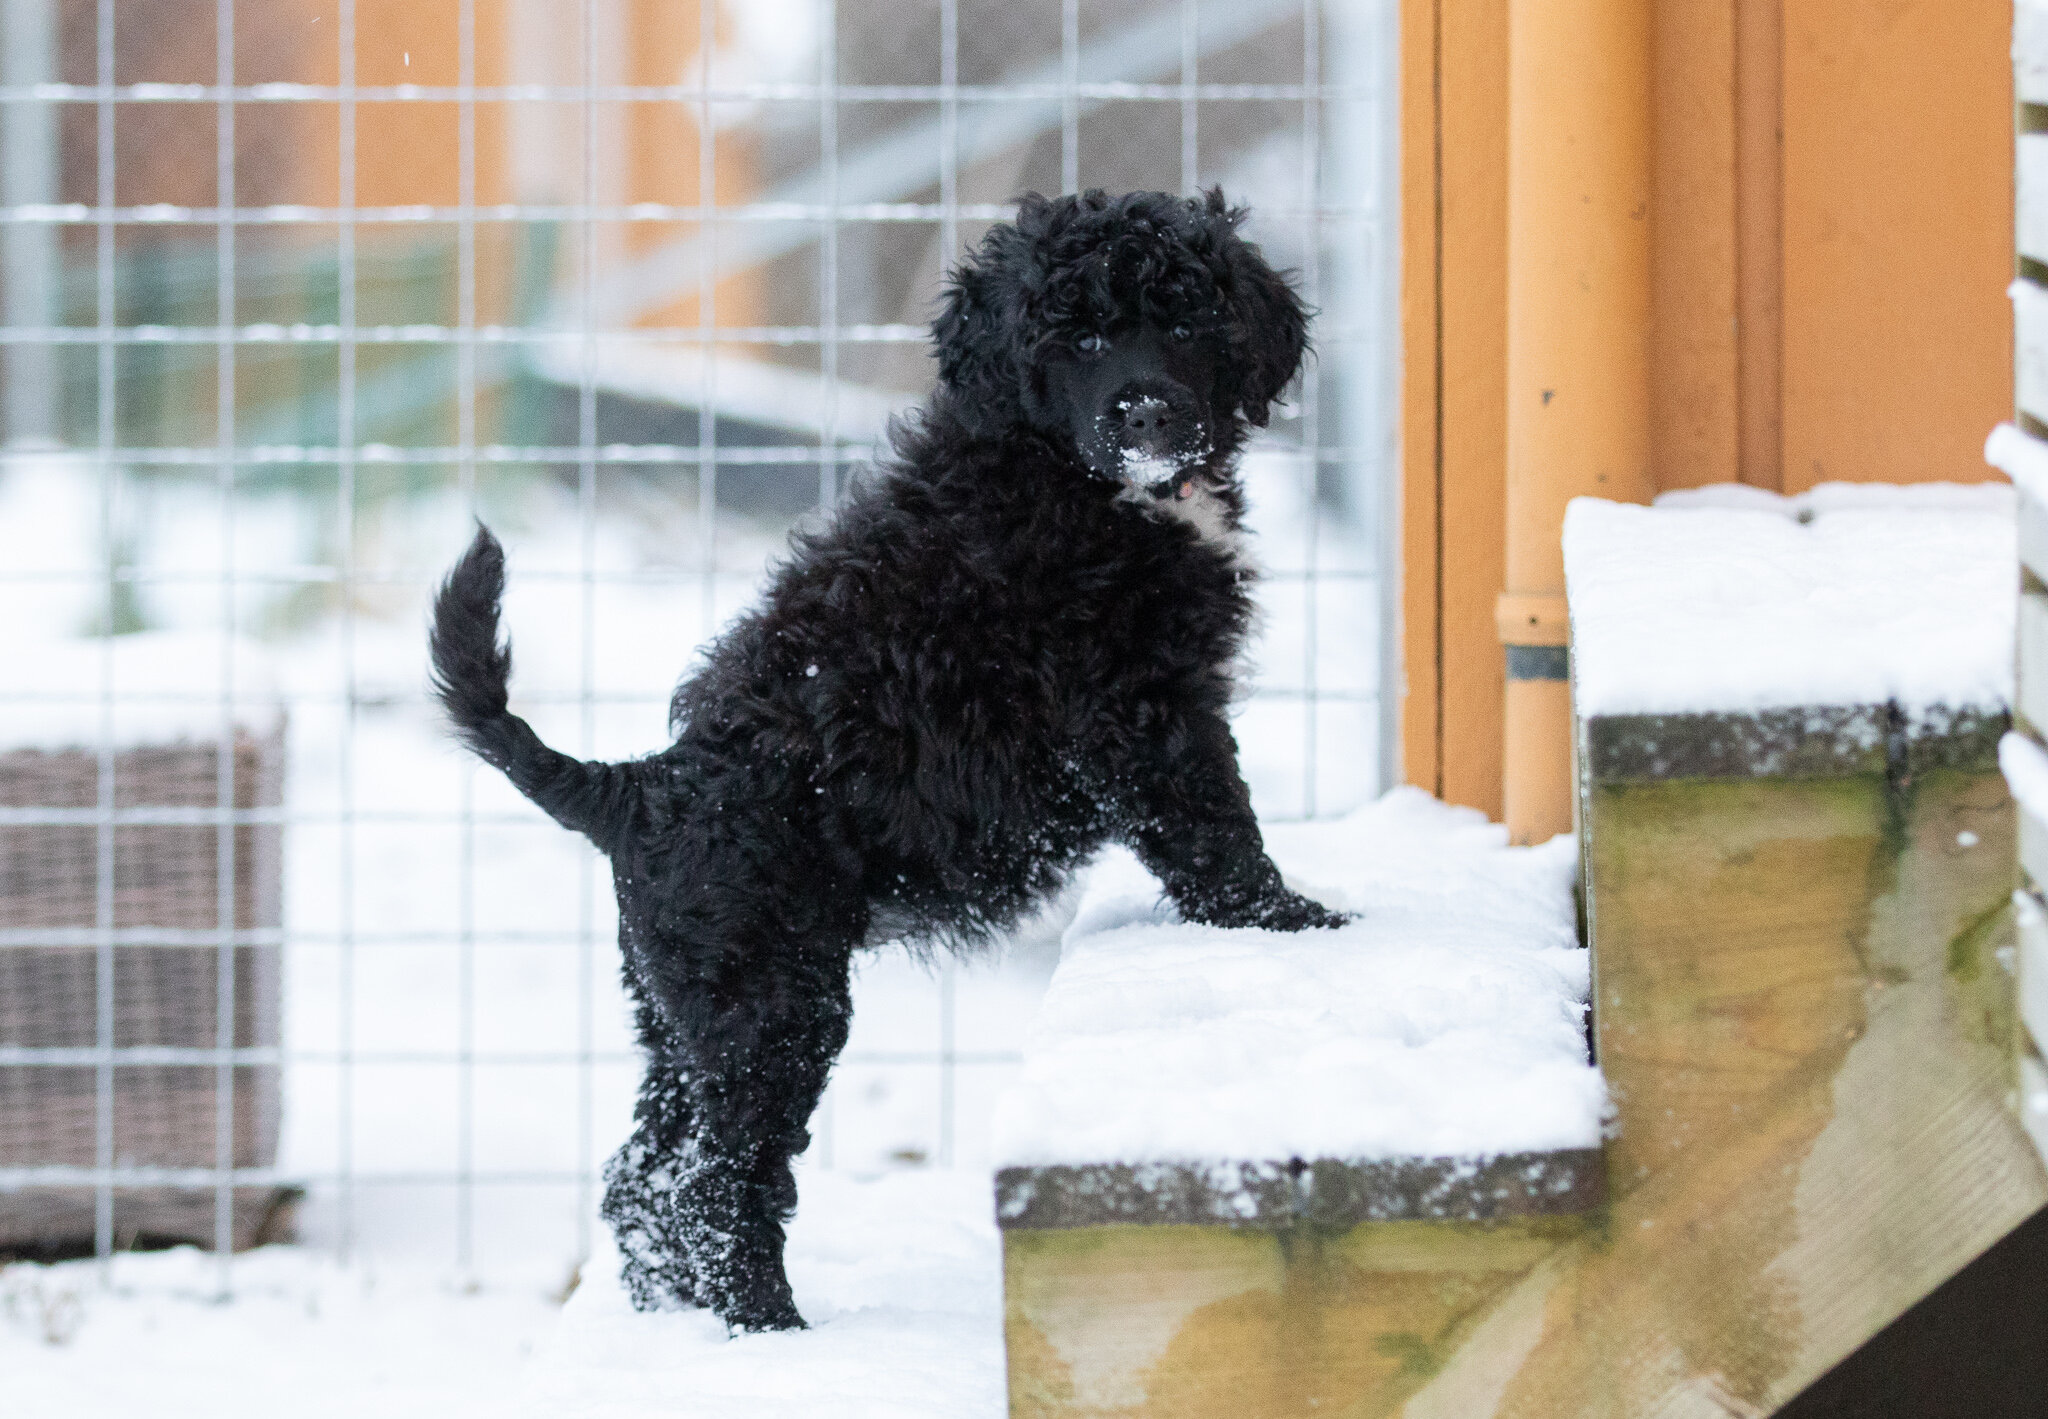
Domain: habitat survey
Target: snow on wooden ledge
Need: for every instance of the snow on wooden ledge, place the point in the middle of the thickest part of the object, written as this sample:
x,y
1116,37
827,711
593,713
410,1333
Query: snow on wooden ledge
x,y
1738,602
1426,1061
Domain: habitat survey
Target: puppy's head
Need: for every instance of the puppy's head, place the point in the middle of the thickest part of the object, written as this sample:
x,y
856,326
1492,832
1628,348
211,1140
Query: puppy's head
x,y
1141,329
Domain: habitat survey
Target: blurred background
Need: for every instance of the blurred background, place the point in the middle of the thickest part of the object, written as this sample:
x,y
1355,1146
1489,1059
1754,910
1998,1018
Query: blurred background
x,y
289,293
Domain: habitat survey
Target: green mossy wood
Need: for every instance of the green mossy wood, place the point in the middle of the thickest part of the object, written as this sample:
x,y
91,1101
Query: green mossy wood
x,y
1807,1028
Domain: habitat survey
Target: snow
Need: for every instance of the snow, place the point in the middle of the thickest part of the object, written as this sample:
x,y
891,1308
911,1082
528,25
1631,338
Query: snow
x,y
2022,458
1447,1020
300,1337
2030,51
165,688
900,1278
1148,469
1736,600
2025,765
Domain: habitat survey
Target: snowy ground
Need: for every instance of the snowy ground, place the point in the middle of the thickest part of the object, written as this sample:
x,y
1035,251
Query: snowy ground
x,y
468,976
900,1274
900,1277
302,1336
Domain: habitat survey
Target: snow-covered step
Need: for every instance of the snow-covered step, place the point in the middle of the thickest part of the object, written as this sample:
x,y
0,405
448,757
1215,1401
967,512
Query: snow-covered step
x,y
1240,1165
1799,861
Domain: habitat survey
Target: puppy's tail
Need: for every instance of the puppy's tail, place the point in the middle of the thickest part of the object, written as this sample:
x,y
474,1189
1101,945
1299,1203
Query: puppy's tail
x,y
471,670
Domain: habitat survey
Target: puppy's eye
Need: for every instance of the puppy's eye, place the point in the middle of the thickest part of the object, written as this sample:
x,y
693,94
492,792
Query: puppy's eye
x,y
1093,344
1183,331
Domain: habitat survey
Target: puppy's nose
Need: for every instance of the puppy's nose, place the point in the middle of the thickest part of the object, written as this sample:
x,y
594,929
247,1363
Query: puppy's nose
x,y
1147,418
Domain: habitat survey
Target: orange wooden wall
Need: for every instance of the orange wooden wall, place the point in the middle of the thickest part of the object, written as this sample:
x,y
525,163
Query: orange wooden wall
x,y
1831,210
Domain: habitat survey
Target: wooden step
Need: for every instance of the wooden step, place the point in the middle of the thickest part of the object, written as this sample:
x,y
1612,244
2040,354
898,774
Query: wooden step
x,y
1261,1290
1181,1281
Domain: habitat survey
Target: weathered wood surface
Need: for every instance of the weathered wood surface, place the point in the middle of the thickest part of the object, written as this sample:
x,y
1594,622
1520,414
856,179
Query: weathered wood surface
x,y
1800,925
1328,1192
1168,1322
1804,742
1804,1019
1155,1291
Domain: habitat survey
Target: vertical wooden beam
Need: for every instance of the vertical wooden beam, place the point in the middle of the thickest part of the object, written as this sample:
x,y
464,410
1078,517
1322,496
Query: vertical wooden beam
x,y
1759,218
1898,233
1578,373
1475,278
1421,686
1693,236
1454,313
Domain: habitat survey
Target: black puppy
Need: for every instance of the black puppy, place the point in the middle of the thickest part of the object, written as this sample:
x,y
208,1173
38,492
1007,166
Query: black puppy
x,y
1012,644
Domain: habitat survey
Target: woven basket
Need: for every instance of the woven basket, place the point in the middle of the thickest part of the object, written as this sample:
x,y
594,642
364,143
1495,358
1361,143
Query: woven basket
x,y
165,878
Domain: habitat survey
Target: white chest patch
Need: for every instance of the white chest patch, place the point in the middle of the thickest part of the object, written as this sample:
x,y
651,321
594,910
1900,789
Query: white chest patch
x,y
1204,511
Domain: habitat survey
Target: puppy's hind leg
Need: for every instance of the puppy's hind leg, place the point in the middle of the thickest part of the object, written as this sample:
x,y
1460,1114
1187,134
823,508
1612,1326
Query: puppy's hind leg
x,y
763,1038
641,1178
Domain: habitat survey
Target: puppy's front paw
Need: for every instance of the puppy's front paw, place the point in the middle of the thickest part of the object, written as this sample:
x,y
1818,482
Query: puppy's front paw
x,y
1294,912
1280,910
773,1317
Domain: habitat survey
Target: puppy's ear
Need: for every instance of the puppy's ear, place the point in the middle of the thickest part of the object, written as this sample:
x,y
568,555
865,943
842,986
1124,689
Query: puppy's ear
x,y
973,334
1268,322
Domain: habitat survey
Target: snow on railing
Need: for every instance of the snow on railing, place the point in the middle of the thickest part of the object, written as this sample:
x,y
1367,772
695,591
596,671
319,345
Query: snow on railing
x,y
2024,458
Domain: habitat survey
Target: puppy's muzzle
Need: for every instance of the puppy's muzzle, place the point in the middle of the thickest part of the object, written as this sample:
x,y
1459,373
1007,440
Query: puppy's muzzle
x,y
1157,443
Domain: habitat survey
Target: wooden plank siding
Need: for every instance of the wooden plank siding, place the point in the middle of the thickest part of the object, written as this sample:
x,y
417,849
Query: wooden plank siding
x,y
1454,359
1759,240
1695,365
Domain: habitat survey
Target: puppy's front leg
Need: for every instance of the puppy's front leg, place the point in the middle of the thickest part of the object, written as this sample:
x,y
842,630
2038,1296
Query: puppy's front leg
x,y
1189,818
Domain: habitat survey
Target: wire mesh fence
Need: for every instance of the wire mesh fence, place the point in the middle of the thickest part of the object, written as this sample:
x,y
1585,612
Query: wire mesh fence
x,y
291,293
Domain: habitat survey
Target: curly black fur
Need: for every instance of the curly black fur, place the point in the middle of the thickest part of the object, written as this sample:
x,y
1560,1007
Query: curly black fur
x,y
1013,644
